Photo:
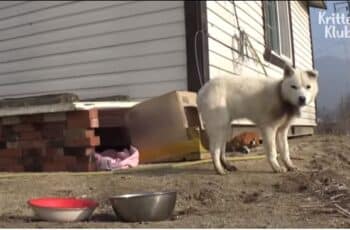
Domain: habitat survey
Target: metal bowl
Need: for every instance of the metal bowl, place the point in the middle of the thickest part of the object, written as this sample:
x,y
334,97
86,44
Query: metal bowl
x,y
151,206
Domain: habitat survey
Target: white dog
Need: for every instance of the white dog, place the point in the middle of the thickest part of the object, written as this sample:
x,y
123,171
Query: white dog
x,y
271,104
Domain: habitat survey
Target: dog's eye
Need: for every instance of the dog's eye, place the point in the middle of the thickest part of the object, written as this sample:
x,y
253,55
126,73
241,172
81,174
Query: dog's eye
x,y
294,87
308,86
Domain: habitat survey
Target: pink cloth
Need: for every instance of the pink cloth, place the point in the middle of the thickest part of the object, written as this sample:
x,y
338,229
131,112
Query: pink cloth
x,y
111,159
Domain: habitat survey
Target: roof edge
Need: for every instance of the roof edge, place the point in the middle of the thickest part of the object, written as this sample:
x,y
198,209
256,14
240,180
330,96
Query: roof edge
x,y
318,4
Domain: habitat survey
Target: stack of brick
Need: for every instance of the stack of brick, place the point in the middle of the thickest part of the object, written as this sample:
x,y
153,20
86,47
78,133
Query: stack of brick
x,y
60,141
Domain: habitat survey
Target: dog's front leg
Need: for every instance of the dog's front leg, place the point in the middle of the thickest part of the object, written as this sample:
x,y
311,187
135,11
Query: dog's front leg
x,y
269,140
282,138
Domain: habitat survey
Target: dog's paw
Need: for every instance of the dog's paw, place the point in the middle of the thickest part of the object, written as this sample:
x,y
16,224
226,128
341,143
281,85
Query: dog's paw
x,y
219,167
221,172
229,167
292,168
232,168
280,169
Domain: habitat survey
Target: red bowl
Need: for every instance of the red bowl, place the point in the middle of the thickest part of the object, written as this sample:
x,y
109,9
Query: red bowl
x,y
63,209
64,203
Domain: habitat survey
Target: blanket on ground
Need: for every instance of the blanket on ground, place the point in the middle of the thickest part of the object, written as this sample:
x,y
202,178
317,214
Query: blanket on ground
x,y
111,159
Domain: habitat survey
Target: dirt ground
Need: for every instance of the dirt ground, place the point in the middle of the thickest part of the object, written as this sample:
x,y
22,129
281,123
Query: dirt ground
x,y
250,197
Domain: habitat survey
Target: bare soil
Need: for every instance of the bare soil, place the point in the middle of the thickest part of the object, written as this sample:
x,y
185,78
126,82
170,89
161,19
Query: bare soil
x,y
250,197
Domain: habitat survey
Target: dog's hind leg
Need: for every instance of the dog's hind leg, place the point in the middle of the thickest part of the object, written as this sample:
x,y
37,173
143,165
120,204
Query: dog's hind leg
x,y
215,150
282,139
227,165
269,141
224,161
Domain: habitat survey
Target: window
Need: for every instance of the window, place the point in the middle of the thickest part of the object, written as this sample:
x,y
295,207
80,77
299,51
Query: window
x,y
278,29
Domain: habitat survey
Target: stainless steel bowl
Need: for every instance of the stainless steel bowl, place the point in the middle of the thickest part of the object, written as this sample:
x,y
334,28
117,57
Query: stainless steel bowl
x,y
153,206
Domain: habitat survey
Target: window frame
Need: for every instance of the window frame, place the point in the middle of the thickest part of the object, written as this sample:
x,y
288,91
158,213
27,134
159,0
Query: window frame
x,y
271,55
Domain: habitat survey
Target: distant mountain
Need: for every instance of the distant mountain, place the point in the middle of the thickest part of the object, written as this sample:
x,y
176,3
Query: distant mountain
x,y
334,80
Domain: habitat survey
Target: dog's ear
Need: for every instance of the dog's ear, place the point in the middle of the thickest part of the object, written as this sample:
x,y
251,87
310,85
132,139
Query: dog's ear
x,y
312,73
288,70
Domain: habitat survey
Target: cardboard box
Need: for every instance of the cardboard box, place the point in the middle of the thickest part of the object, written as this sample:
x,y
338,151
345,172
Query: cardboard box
x,y
167,128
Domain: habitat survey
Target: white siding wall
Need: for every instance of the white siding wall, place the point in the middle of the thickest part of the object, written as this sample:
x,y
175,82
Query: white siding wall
x,y
302,47
93,48
222,27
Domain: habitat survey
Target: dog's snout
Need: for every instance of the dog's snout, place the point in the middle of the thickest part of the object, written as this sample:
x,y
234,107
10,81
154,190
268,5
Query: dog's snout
x,y
302,100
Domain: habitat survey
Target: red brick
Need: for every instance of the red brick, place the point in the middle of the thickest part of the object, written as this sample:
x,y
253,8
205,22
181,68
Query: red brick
x,y
85,166
11,137
12,145
92,113
34,152
12,168
54,125
55,117
86,163
10,165
35,118
54,167
9,161
52,154
7,129
2,144
34,135
11,120
71,162
83,142
62,163
55,151
64,159
26,144
76,151
11,153
78,133
32,159
55,143
83,119
82,123
53,130
25,127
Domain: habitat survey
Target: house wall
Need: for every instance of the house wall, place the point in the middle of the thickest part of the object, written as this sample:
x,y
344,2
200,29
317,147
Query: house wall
x,y
222,29
103,48
94,48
